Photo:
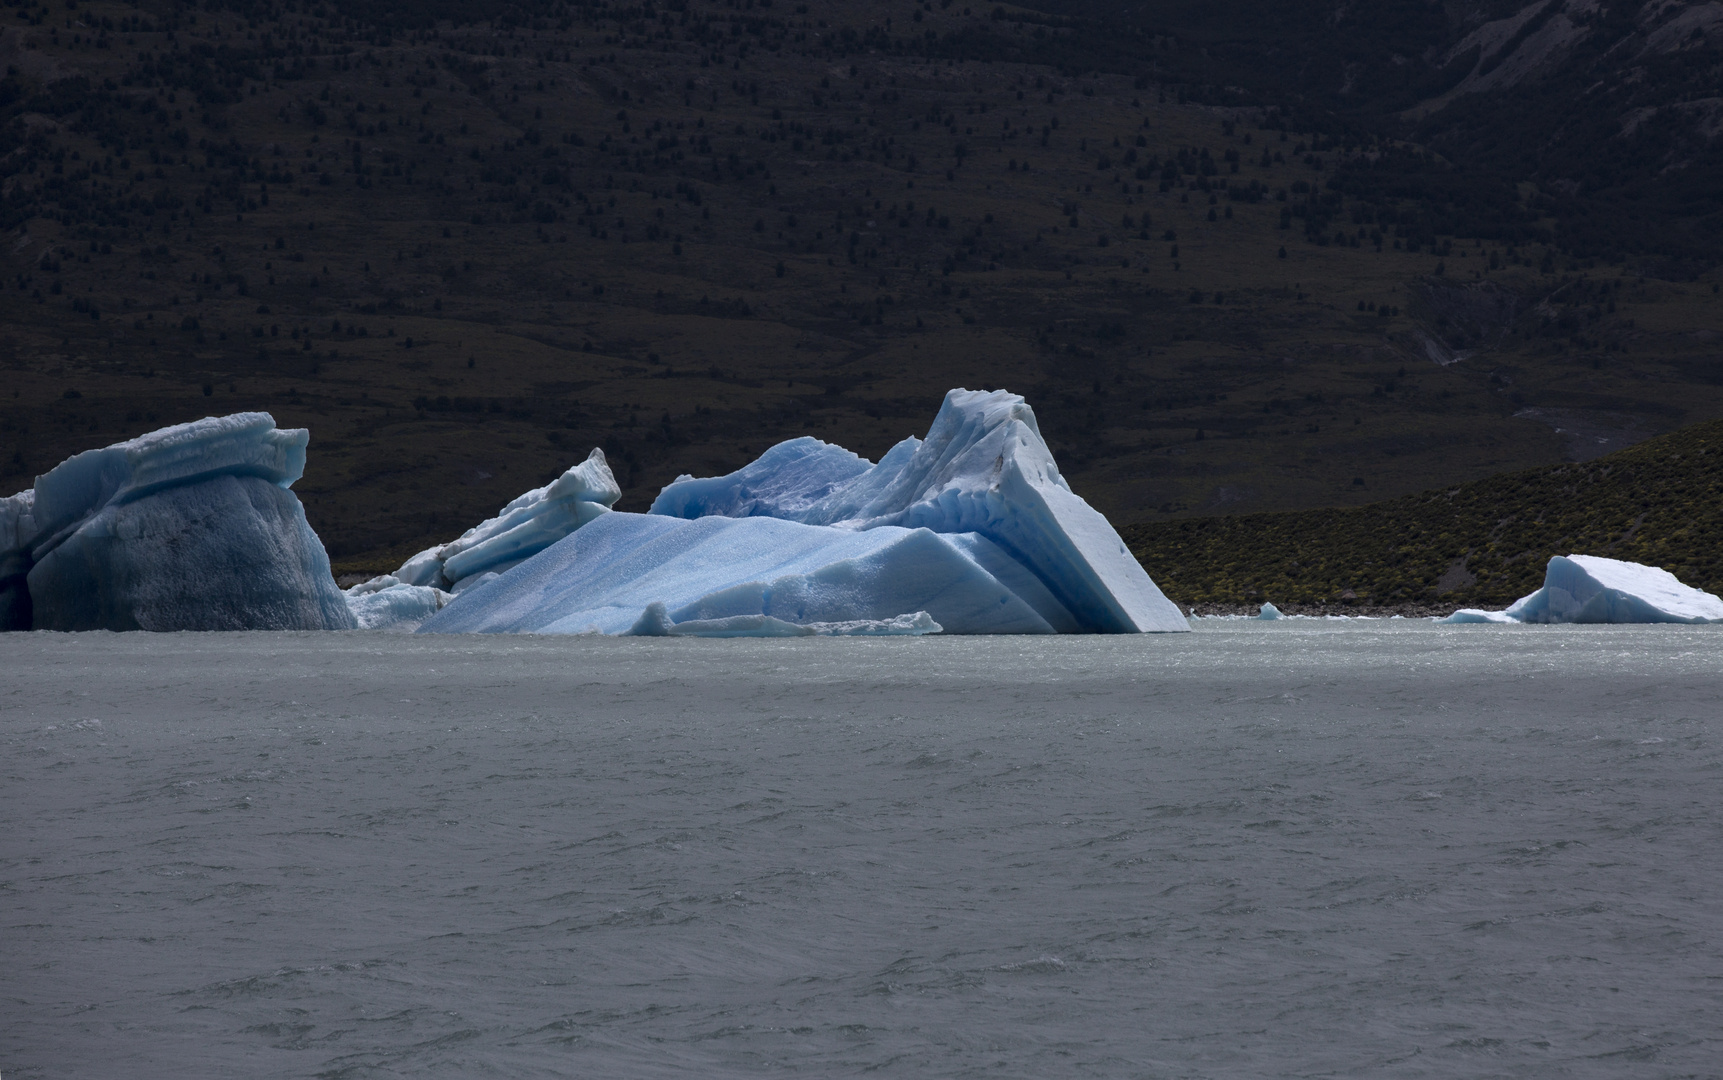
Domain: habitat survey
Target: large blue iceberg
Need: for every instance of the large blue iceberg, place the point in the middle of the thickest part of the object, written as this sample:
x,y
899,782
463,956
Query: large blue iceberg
x,y
188,528
972,529
1593,589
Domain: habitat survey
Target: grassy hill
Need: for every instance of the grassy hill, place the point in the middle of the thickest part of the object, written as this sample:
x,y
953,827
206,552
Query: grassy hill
x,y
463,243
1482,544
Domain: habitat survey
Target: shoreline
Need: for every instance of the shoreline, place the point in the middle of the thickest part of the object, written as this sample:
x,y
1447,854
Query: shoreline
x,y
1372,611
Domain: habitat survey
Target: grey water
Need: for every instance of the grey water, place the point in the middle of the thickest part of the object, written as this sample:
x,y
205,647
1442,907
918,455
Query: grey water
x,y
1295,849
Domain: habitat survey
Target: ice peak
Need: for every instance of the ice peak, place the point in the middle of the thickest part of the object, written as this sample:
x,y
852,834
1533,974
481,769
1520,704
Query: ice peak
x,y
983,468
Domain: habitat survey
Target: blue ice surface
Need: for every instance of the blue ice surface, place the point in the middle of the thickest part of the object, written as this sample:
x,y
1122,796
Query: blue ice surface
x,y
982,470
784,482
1594,589
603,578
191,527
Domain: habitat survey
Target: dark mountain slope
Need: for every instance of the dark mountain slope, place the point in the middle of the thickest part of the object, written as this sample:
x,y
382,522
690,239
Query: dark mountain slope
x,y
1598,125
465,242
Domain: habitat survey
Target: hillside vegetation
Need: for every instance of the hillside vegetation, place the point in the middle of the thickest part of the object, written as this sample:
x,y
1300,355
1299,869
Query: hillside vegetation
x,y
1610,111
464,242
1482,544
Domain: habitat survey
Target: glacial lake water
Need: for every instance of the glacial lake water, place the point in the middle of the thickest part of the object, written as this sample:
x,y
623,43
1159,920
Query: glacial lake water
x,y
1296,849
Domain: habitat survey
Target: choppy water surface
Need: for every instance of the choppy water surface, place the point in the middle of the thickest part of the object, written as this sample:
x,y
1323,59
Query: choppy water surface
x,y
1314,849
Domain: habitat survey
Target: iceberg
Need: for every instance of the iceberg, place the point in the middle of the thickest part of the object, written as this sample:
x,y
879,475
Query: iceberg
x,y
191,527
1593,589
1269,613
655,621
526,526
720,576
387,603
971,530
1473,615
983,471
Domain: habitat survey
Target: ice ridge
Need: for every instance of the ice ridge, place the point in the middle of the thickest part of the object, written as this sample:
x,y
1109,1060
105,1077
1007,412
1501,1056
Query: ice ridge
x,y
530,523
983,469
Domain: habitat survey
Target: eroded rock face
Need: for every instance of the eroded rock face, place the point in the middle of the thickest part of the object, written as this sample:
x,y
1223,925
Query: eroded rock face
x,y
188,528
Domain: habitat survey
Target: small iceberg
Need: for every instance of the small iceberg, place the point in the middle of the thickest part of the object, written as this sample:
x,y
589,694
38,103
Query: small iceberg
x,y
1592,589
1270,613
655,621
388,603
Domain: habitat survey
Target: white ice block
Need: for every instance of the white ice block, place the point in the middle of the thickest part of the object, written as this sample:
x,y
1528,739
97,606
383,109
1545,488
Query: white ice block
x,y
1593,589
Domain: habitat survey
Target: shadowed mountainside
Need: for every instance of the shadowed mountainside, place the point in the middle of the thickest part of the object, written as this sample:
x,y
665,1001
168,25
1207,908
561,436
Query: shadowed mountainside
x,y
463,243
1483,544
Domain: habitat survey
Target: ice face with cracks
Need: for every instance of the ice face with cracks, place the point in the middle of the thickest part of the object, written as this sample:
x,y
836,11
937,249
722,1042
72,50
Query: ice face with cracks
x,y
983,470
784,482
1593,589
188,528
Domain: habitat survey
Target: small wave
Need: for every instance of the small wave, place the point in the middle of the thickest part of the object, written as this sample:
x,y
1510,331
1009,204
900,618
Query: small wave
x,y
1041,965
